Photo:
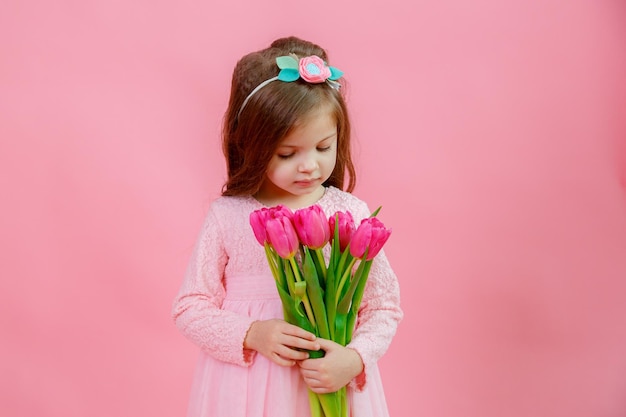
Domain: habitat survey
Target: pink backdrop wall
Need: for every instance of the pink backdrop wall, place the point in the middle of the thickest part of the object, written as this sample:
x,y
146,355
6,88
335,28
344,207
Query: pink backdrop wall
x,y
492,132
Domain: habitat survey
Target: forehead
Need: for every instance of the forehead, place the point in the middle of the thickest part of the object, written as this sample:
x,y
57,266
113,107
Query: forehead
x,y
318,125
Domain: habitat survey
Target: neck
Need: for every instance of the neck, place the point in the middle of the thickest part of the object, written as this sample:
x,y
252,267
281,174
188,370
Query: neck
x,y
292,201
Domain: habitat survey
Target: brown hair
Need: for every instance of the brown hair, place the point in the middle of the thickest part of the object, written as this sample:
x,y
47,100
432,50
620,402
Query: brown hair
x,y
251,138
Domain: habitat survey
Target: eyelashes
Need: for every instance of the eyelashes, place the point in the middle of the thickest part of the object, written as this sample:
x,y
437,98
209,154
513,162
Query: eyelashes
x,y
321,150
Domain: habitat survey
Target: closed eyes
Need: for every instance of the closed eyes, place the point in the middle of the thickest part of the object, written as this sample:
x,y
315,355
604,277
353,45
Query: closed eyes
x,y
319,149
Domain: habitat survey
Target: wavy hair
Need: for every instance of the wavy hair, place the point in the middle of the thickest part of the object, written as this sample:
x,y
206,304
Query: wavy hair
x,y
251,138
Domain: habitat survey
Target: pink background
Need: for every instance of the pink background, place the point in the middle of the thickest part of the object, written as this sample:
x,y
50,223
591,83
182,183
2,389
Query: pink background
x,y
492,132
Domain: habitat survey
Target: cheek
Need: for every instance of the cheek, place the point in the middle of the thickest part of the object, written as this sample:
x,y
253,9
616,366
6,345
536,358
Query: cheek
x,y
277,169
331,159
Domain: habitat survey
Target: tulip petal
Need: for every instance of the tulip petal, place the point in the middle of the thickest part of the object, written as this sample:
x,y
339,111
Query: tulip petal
x,y
312,226
258,226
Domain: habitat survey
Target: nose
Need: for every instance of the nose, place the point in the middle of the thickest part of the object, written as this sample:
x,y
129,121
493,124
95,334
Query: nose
x,y
308,164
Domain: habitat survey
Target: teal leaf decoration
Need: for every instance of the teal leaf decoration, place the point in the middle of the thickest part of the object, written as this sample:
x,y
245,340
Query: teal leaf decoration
x,y
288,74
287,62
335,73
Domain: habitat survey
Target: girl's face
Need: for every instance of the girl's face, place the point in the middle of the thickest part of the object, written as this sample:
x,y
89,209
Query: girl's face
x,y
304,159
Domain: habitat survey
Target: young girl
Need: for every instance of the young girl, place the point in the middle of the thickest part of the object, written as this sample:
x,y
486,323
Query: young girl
x,y
287,141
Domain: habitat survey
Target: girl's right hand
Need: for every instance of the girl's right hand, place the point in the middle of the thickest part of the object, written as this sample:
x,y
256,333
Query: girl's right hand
x,y
279,341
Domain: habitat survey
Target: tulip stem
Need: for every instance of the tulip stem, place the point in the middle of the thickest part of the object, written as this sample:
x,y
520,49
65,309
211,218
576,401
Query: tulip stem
x,y
305,298
343,279
271,260
322,262
356,300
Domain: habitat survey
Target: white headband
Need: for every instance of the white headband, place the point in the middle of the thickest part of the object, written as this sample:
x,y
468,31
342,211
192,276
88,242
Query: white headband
x,y
311,69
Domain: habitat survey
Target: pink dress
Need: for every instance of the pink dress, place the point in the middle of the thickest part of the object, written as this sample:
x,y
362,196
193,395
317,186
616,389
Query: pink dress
x,y
228,285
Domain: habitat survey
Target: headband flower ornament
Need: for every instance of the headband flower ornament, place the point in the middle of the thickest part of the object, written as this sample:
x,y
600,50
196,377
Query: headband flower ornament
x,y
311,69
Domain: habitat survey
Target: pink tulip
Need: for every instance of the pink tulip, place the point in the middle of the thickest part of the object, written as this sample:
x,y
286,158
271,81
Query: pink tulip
x,y
371,234
312,226
257,221
259,218
282,236
346,228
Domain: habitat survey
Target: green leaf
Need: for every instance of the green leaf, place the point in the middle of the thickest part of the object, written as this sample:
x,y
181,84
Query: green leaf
x,y
356,300
300,288
346,299
375,213
346,274
275,265
332,403
314,405
294,314
320,266
329,297
335,73
288,275
287,61
346,256
315,293
288,75
340,329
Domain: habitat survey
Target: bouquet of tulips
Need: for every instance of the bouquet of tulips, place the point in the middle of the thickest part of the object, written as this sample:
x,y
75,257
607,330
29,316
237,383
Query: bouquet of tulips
x,y
318,296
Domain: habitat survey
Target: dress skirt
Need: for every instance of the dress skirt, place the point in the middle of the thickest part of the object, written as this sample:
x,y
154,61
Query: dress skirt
x,y
265,389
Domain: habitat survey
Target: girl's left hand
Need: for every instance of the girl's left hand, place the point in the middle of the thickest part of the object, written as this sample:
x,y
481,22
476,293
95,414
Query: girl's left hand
x,y
336,369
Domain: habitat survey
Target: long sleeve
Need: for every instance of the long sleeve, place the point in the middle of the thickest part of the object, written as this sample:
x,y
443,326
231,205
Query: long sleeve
x,y
379,316
197,308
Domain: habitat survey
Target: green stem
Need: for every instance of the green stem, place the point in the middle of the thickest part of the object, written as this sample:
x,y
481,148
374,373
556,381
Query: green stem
x,y
305,298
344,255
331,404
314,405
315,293
343,280
322,263
356,301
273,261
343,306
329,301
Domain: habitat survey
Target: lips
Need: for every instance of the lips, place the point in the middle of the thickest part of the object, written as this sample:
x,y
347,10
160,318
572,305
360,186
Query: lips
x,y
306,183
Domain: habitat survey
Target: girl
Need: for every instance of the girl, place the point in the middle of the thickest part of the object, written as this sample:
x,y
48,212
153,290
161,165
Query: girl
x,y
286,139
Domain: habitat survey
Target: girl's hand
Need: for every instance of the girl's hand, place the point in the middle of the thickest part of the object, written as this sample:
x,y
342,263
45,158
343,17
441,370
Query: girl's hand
x,y
278,341
336,369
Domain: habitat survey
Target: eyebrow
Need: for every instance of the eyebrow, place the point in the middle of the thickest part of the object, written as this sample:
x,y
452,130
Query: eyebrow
x,y
285,145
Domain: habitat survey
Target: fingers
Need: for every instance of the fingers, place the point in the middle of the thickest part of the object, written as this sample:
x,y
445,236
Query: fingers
x,y
335,370
290,354
282,361
322,389
299,343
318,382
326,345
298,338
281,342
298,332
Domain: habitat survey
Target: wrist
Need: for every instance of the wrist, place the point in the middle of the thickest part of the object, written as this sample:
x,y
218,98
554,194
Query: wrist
x,y
248,339
357,363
